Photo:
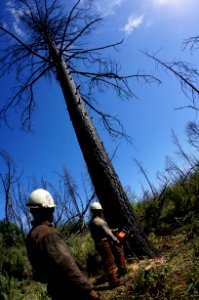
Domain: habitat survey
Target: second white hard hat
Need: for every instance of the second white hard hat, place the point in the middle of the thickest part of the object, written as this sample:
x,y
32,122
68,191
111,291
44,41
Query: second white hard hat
x,y
96,205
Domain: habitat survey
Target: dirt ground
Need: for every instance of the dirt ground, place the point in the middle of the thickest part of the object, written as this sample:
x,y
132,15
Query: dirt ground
x,y
102,286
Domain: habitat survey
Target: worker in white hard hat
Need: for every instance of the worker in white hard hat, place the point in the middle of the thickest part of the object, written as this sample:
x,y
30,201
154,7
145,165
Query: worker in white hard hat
x,y
108,245
50,256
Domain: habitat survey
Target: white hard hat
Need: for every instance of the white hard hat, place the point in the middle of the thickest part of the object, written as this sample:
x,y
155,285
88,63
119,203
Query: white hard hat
x,y
96,205
40,198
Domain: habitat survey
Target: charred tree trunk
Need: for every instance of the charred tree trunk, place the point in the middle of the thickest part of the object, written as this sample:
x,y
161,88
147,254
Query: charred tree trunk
x,y
117,210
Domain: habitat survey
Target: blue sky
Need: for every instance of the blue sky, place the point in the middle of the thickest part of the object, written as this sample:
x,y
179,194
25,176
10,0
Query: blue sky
x,y
159,26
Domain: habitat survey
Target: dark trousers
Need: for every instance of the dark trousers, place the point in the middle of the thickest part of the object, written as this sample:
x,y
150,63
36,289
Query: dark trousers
x,y
113,261
120,260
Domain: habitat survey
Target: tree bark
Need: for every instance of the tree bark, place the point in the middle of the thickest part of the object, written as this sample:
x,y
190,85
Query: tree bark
x,y
117,209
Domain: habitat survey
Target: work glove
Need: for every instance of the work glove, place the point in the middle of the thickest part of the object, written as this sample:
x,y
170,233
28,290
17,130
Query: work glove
x,y
115,231
116,241
94,296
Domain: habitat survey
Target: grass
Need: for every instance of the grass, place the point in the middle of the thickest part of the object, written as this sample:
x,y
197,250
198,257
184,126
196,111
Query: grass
x,y
173,277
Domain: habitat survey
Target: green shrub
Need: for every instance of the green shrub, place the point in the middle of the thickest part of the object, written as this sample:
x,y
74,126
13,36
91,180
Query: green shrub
x,y
8,286
10,233
150,284
83,249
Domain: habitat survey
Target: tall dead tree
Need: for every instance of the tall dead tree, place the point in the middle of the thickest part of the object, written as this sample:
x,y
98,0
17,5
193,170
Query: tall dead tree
x,y
52,43
192,132
8,176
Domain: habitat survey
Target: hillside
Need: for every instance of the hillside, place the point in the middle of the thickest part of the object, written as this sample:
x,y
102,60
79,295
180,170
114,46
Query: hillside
x,y
172,226
173,276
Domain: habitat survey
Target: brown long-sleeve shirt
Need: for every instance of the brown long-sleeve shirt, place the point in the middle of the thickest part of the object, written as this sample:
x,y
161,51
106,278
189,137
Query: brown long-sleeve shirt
x,y
53,263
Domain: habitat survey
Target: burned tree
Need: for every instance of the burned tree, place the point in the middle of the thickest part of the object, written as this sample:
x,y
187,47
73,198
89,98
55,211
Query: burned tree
x,y
52,43
184,72
8,177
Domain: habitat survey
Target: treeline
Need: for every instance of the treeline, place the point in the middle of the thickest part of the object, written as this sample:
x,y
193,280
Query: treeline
x,y
175,209
177,191
71,207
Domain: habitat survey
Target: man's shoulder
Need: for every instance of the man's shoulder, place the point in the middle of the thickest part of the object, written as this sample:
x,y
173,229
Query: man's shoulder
x,y
98,221
42,229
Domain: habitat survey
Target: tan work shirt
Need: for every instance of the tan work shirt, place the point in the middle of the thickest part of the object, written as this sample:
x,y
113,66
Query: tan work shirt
x,y
100,231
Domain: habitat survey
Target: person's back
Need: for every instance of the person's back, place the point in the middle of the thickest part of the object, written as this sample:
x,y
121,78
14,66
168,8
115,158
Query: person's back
x,y
52,260
107,245
38,257
100,230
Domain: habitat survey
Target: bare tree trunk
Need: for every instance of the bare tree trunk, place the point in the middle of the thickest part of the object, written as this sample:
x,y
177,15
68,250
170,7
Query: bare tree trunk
x,y
117,210
7,180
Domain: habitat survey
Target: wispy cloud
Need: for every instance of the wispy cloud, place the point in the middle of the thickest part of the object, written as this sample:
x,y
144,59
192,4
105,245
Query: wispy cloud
x,y
16,14
133,23
161,2
107,7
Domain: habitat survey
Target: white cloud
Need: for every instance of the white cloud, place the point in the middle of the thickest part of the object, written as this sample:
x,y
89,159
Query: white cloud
x,y
161,2
16,13
107,7
18,30
5,25
133,23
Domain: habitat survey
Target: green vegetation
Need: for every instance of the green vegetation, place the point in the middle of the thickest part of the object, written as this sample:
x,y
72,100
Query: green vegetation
x,y
172,225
